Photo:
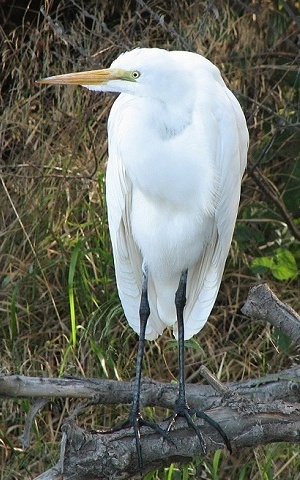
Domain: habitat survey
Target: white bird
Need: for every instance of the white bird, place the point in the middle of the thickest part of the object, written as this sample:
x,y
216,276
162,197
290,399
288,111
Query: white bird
x,y
178,144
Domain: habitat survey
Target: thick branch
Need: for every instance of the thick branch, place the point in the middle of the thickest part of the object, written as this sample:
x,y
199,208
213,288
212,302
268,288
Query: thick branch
x,y
262,304
283,386
108,456
104,456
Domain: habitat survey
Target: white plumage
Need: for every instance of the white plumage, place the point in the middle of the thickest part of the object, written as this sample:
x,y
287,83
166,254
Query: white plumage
x,y
177,151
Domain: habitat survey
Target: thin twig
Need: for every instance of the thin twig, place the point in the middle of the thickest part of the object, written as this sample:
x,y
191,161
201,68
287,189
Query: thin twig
x,y
264,185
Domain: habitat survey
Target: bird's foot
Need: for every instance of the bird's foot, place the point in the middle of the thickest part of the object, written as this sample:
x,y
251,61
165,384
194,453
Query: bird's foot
x,y
183,410
136,421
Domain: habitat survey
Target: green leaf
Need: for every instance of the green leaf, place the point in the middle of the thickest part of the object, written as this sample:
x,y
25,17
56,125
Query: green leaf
x,y
72,270
282,265
285,266
262,264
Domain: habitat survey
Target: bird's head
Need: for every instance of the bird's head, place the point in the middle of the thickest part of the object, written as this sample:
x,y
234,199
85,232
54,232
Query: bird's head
x,y
150,72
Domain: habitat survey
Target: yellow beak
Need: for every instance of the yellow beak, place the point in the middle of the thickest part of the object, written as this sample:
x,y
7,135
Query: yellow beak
x,y
91,77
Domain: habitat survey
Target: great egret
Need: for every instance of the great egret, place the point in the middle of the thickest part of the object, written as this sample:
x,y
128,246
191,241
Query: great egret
x,y
177,151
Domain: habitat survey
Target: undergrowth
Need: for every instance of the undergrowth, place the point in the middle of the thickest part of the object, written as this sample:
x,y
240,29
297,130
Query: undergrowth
x,y
59,310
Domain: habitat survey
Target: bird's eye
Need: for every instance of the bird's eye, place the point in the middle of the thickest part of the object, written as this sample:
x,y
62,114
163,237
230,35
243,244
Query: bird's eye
x,y
135,74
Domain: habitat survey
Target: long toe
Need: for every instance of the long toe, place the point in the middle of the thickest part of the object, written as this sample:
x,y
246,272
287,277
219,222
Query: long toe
x,y
214,424
188,413
136,421
185,413
158,429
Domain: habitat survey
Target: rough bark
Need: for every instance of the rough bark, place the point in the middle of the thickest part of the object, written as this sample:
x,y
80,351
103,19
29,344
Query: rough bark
x,y
284,386
100,457
262,304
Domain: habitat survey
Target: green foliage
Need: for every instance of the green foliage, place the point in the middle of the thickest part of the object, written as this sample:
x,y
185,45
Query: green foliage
x,y
72,269
282,265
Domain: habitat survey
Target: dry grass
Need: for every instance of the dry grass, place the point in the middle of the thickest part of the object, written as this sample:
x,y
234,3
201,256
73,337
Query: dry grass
x,y
54,233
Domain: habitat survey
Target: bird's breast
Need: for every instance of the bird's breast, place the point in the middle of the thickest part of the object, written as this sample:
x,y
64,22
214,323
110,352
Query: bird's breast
x,y
168,166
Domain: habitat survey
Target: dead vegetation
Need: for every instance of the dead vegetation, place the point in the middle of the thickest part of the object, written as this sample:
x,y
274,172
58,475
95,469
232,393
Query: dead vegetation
x,y
59,309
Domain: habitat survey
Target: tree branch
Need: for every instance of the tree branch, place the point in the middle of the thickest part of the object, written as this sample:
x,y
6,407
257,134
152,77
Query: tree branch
x,y
284,386
262,304
252,412
102,457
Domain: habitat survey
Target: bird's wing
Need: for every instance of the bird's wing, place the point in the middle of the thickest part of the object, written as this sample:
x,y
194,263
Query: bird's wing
x,y
204,277
127,256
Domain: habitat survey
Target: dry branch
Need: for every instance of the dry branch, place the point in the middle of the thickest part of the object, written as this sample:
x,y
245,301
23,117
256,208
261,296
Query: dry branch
x,y
262,304
284,386
101,457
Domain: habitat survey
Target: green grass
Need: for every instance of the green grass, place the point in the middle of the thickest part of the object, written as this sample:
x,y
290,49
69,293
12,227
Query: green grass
x,y
59,310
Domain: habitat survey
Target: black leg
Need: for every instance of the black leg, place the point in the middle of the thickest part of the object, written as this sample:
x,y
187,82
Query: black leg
x,y
180,301
181,408
135,419
144,315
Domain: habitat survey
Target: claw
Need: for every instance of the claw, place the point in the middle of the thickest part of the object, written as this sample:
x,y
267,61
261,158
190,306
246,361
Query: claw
x,y
136,421
215,425
187,413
